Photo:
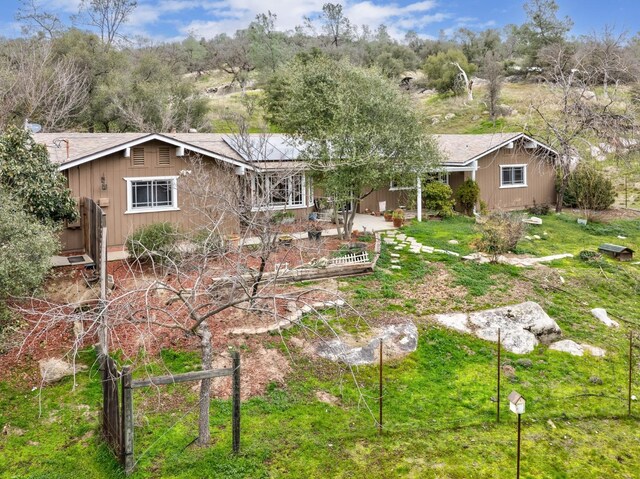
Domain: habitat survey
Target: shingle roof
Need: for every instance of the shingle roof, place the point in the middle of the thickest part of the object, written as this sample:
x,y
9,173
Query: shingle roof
x,y
457,149
461,149
85,145
614,248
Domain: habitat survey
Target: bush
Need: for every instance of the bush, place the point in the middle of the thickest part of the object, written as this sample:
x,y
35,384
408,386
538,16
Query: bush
x,y
467,195
438,198
588,189
538,210
26,247
209,243
151,240
500,233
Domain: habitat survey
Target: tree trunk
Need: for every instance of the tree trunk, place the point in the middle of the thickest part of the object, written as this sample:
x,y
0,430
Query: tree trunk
x,y
204,434
560,194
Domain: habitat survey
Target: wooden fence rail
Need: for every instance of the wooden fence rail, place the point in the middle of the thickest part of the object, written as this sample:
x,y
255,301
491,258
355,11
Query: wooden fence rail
x,y
126,451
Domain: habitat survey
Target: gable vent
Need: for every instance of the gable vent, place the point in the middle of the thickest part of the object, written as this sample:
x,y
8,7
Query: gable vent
x,y
137,157
164,156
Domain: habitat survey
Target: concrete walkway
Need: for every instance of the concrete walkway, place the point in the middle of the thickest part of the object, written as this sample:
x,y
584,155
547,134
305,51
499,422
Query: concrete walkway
x,y
362,223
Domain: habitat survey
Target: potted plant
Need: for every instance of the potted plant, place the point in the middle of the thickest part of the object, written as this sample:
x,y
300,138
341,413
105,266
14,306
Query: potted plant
x,y
314,230
398,218
285,240
388,215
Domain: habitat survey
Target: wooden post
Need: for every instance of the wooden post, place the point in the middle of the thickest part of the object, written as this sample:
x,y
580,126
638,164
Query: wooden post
x,y
236,402
630,370
498,373
380,392
127,421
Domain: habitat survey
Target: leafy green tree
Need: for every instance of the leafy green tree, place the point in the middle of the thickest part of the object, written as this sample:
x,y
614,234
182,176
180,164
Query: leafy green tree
x,y
26,248
356,129
27,173
449,71
542,28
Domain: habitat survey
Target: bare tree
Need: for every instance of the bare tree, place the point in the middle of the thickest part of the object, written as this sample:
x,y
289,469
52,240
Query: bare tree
x,y
608,57
107,16
35,19
570,113
493,72
40,86
336,25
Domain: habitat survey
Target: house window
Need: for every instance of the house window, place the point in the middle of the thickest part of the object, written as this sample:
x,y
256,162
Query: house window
x,y
151,194
513,176
273,190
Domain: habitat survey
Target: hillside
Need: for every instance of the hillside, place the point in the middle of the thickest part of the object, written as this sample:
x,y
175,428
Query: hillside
x,y
443,114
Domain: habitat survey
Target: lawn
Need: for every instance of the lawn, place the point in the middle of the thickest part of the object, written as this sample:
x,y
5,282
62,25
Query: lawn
x,y
439,412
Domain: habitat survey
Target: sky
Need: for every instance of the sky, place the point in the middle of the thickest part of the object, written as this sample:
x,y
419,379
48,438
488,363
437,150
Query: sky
x,y
167,20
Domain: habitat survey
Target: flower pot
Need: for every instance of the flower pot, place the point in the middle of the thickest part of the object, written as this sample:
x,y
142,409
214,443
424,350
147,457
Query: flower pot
x,y
388,217
314,235
397,222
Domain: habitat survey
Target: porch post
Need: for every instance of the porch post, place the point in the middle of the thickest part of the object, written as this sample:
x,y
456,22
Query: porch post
x,y
473,177
419,199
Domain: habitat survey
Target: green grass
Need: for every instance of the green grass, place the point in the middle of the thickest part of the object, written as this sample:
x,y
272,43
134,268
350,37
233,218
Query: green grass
x,y
439,415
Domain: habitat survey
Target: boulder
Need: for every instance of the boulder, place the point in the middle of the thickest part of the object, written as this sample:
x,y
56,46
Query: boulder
x,y
522,326
54,369
588,95
397,340
575,349
601,314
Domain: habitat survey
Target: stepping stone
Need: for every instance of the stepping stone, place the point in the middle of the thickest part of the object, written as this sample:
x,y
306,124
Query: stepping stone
x,y
395,261
389,241
427,249
398,248
401,237
395,266
394,255
452,253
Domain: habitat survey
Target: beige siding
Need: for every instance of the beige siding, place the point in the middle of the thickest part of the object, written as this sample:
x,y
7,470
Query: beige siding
x,y
540,180
86,180
393,199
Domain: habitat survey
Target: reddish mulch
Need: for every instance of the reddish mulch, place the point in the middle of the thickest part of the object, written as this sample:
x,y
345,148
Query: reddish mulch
x,y
144,341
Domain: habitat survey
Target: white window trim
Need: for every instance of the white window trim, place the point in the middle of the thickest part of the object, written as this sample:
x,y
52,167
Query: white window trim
x,y
174,195
288,205
524,174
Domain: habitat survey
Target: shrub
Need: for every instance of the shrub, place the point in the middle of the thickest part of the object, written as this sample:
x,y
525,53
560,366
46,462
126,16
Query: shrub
x,y
538,210
438,198
500,233
589,189
26,247
151,240
467,195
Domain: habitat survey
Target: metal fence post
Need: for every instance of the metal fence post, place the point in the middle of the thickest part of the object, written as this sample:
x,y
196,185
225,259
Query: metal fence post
x,y
236,402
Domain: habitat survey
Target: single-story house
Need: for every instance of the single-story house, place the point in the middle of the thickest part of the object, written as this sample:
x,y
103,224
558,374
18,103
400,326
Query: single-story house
x,y
139,178
513,171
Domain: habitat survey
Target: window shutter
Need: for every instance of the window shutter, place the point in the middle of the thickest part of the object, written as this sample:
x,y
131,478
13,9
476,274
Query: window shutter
x,y
137,157
164,156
